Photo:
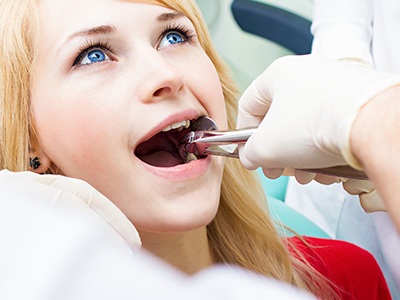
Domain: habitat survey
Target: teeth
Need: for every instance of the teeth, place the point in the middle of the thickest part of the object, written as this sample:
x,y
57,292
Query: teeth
x,y
177,125
189,157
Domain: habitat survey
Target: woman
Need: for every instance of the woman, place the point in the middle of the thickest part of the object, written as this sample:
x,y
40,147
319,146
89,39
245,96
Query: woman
x,y
103,90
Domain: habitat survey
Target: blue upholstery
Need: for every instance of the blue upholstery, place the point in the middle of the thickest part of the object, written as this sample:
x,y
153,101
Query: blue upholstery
x,y
293,33
275,24
286,215
275,188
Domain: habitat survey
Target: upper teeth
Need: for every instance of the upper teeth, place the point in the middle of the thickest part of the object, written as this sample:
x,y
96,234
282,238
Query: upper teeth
x,y
177,125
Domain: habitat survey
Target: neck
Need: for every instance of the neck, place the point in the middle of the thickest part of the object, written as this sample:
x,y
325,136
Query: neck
x,y
187,251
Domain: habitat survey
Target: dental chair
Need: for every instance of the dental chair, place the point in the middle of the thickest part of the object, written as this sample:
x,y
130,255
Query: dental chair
x,y
292,32
281,26
249,35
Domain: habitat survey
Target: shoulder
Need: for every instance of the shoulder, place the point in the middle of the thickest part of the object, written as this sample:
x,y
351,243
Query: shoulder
x,y
324,251
349,266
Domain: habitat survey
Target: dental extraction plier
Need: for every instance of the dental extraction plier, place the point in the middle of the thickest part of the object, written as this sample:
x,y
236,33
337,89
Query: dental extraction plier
x,y
225,143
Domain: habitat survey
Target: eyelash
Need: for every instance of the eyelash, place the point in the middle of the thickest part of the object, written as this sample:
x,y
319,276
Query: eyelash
x,y
89,45
187,34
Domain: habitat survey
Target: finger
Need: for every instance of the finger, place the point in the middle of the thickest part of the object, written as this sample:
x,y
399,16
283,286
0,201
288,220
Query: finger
x,y
244,160
303,177
273,173
326,179
372,202
355,187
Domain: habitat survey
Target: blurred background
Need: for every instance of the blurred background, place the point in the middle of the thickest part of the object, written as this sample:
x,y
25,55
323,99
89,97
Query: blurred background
x,y
248,54
250,35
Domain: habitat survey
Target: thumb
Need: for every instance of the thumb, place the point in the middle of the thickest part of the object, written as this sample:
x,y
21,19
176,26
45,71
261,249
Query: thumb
x,y
255,102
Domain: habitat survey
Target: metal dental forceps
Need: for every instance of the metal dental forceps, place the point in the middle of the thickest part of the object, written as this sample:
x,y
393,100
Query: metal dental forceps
x,y
206,140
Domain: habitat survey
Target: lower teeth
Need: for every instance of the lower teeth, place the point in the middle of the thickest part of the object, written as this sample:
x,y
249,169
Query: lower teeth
x,y
190,157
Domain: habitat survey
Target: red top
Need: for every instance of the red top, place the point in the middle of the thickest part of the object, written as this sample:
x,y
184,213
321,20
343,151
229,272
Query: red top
x,y
350,267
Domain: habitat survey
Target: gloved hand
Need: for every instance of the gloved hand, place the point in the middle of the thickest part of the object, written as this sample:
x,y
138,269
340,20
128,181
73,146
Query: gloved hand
x,y
304,107
369,198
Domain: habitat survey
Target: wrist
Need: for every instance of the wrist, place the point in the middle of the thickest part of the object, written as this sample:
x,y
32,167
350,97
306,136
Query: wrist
x,y
375,141
375,132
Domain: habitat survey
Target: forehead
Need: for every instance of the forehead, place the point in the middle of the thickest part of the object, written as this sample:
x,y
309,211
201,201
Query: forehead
x,y
57,11
59,19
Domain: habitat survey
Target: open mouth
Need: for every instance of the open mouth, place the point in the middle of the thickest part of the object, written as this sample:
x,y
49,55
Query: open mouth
x,y
163,149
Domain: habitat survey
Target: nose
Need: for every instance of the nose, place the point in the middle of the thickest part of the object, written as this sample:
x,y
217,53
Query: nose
x,y
161,77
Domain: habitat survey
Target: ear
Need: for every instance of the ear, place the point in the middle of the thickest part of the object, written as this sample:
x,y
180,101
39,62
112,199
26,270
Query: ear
x,y
39,162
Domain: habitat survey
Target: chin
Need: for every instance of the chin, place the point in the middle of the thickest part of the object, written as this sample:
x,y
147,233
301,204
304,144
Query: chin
x,y
180,217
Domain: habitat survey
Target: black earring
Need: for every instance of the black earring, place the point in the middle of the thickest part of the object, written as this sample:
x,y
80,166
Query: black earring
x,y
34,162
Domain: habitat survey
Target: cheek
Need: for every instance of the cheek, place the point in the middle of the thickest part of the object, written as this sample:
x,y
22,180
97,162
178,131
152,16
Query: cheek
x,y
68,132
59,137
211,93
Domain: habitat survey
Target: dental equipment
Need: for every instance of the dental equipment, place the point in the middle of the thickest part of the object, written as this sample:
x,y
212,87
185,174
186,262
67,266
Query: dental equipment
x,y
205,139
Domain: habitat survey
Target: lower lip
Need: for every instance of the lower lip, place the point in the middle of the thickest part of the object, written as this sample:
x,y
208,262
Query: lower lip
x,y
182,172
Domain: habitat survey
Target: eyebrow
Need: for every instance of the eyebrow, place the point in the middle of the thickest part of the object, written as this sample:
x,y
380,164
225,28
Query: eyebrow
x,y
170,16
102,29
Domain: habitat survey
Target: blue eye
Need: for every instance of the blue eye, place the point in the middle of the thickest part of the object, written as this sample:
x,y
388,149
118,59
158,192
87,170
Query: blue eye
x,y
93,56
172,39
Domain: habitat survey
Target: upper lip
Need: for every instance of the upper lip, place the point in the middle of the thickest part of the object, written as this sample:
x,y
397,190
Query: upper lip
x,y
178,117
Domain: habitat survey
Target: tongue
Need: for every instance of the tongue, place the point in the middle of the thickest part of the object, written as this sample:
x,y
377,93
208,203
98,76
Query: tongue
x,y
162,159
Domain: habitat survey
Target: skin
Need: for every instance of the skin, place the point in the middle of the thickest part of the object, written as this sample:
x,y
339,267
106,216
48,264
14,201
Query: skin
x,y
375,142
91,117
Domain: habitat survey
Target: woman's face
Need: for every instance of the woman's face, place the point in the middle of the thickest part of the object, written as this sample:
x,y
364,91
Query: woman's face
x,y
108,76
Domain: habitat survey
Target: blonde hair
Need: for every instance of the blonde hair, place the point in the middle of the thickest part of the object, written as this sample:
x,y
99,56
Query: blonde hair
x,y
16,31
242,232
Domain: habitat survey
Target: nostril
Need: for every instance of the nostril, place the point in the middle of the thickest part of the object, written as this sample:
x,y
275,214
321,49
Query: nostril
x,y
167,83
162,91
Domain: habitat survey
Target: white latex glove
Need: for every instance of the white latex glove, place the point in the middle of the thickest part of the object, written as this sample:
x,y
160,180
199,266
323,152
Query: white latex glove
x,y
304,107
369,198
